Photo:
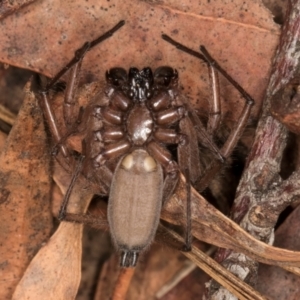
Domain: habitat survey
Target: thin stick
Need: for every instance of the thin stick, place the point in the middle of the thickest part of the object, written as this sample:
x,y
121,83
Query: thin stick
x,y
231,282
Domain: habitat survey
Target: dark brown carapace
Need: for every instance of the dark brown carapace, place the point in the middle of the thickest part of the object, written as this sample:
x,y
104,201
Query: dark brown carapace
x,y
130,126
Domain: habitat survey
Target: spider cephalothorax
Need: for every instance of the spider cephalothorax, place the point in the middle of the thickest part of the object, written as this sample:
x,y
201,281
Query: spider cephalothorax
x,y
140,110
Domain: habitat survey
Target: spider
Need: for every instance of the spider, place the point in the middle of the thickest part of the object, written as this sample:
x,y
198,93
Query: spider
x,y
141,113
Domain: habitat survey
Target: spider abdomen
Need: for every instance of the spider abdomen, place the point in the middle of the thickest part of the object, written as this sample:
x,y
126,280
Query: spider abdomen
x,y
135,201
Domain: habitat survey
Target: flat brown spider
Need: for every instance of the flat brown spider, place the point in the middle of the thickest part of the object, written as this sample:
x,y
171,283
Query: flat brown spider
x,y
142,112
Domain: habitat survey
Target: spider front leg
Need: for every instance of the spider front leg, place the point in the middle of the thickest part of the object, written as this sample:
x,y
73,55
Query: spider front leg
x,y
70,104
236,133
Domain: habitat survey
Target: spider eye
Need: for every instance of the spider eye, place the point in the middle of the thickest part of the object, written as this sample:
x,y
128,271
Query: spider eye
x,y
164,75
149,94
131,94
116,76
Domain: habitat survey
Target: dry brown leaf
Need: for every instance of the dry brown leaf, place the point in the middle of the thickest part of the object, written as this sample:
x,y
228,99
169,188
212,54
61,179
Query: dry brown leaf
x,y
25,182
55,272
8,7
242,37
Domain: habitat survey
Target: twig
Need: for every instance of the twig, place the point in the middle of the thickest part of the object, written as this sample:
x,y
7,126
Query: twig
x,y
262,195
216,271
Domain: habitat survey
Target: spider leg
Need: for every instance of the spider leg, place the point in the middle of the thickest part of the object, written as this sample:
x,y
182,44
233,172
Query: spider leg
x,y
214,121
187,151
213,63
70,104
206,57
164,157
236,133
104,182
215,110
189,164
226,150
168,136
63,208
102,175
111,151
52,123
74,130
204,137
79,54
70,107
